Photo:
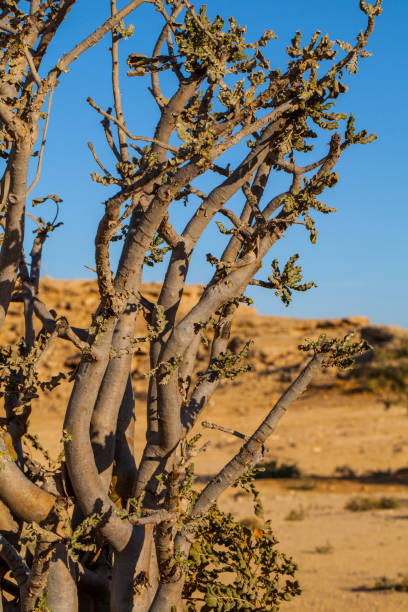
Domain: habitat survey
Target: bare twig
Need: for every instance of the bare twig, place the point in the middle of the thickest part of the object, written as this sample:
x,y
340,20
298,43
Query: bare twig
x,y
123,146
126,131
197,192
165,33
77,335
98,161
39,573
231,216
93,38
169,234
109,138
40,157
14,562
31,64
227,430
7,27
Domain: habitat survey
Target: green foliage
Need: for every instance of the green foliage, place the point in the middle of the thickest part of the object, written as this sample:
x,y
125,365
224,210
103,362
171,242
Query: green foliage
x,y
165,369
37,470
83,538
136,503
234,567
5,458
208,47
104,180
158,322
235,301
231,566
42,603
157,252
227,365
288,280
223,268
299,204
53,196
359,138
36,444
362,504
246,482
18,373
371,9
98,327
339,353
186,488
121,31
141,64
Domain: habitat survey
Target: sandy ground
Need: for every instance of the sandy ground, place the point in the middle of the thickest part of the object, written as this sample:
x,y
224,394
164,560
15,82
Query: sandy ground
x,y
337,440
364,546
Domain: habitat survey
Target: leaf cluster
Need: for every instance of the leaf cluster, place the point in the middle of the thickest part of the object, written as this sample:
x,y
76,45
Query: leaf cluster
x,y
234,567
157,252
82,539
18,373
228,364
165,369
288,280
340,353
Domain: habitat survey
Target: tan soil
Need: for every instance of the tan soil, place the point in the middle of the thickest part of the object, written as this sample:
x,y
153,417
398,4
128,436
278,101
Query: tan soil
x,y
329,428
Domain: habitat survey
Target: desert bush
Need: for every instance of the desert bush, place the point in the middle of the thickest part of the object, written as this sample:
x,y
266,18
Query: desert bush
x,y
236,567
272,469
324,549
385,374
303,485
362,504
392,584
296,514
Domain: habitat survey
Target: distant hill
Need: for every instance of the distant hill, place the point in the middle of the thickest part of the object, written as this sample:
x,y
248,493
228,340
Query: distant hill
x,y
274,355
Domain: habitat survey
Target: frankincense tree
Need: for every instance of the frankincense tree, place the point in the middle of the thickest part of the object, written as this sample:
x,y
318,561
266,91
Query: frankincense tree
x,y
92,529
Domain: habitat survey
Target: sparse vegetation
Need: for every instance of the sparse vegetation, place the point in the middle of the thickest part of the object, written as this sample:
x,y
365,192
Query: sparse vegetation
x,y
297,514
324,549
303,485
386,374
392,584
271,469
363,504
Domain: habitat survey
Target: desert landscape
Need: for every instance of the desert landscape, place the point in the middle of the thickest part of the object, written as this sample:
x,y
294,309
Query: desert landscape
x,y
336,445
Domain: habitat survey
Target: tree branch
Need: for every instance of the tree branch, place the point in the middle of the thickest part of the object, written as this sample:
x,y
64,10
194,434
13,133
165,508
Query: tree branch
x,y
122,127
249,453
32,67
14,562
40,157
93,38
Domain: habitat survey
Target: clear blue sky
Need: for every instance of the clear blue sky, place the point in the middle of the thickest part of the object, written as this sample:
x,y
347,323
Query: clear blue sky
x,y
360,259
